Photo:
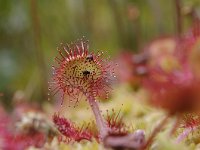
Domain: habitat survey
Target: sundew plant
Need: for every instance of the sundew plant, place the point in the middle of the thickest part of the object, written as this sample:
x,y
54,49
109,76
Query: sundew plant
x,y
80,72
100,75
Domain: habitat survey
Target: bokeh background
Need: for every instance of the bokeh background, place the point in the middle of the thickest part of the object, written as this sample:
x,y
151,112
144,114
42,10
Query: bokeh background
x,y
30,31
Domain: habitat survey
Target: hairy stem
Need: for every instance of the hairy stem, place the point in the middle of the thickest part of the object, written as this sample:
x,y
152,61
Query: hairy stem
x,y
184,134
101,124
156,131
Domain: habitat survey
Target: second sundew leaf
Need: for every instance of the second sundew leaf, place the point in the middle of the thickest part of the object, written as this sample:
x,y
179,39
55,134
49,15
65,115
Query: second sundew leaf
x,y
71,132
